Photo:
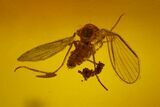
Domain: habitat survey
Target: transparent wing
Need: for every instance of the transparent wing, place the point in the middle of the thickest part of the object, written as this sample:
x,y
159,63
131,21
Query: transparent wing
x,y
124,60
45,51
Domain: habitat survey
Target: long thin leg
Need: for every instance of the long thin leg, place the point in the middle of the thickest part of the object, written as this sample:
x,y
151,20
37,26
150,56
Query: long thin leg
x,y
117,22
101,45
64,58
97,75
47,74
92,61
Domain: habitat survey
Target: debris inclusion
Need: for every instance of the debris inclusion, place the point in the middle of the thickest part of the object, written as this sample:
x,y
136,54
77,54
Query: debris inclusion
x,y
87,73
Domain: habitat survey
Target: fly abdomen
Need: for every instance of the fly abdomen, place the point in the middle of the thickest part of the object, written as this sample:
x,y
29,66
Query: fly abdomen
x,y
74,59
80,54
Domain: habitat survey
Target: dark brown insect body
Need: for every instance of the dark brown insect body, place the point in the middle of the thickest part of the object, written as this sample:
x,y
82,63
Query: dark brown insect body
x,y
124,60
83,48
82,52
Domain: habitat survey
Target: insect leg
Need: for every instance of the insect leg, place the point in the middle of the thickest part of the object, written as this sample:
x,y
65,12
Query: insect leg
x,y
94,62
117,22
64,58
35,70
47,74
101,45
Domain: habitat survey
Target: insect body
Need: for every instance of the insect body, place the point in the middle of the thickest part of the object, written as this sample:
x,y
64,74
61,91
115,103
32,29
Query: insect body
x,y
124,60
82,52
84,47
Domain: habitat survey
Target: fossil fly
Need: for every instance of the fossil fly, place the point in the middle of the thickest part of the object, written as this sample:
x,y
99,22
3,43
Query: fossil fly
x,y
124,60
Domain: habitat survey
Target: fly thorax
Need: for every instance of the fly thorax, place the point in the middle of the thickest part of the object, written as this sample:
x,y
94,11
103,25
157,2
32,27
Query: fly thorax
x,y
87,32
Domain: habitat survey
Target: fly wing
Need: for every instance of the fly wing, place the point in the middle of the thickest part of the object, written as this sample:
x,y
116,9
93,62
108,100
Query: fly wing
x,y
124,60
45,51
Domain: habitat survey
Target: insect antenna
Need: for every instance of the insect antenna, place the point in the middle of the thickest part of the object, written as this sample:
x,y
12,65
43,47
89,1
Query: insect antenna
x,y
47,74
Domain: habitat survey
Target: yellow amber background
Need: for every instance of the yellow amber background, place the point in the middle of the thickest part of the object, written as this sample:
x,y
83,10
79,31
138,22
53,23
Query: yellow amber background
x,y
25,24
